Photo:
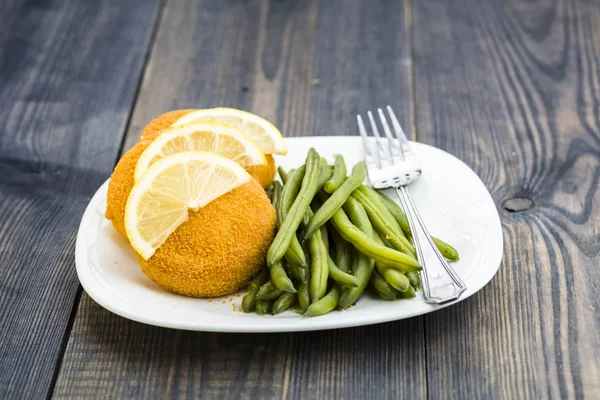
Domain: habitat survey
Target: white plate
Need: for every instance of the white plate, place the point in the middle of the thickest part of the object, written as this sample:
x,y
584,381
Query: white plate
x,y
454,202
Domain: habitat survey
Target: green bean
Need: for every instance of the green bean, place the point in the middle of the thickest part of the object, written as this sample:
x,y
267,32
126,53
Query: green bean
x,y
324,176
409,294
296,270
326,304
280,278
366,245
343,251
269,193
375,198
263,306
415,279
287,230
268,291
276,194
365,264
283,302
303,296
325,238
395,278
338,177
249,300
447,250
385,225
282,174
340,276
384,289
397,212
337,199
319,267
294,254
362,270
380,207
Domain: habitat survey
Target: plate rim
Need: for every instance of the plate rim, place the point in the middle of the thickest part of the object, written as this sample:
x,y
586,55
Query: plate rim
x,y
84,278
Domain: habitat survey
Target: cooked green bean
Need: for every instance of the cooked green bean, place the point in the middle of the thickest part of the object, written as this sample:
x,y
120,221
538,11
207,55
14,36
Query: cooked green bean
x,y
366,245
365,264
397,212
289,192
384,289
325,237
269,192
375,198
362,270
287,230
268,291
283,302
303,296
282,174
294,254
324,176
280,278
263,306
395,278
337,199
340,276
449,252
326,304
249,300
343,251
276,194
319,269
338,177
387,227
297,271
409,294
415,279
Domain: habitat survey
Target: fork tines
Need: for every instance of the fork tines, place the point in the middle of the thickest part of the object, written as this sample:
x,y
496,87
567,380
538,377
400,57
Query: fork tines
x,y
390,151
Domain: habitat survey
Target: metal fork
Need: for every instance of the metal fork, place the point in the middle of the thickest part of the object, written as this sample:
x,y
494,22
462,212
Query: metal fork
x,y
393,164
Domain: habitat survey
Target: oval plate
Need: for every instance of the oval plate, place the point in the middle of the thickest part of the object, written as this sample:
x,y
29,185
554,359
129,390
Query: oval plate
x,y
452,199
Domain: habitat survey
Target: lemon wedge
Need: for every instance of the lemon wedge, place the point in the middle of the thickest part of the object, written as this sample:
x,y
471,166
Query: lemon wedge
x,y
160,201
266,136
212,137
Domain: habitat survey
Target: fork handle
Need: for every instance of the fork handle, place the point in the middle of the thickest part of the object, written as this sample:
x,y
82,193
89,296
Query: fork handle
x,y
441,284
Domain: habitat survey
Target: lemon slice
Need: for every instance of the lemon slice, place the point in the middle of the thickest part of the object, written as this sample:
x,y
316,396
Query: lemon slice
x,y
160,201
266,136
213,137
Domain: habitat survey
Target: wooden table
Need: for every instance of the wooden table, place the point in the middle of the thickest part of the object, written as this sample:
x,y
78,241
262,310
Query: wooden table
x,y
510,87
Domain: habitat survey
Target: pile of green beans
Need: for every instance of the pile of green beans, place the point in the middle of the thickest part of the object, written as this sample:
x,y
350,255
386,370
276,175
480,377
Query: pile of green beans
x,y
337,239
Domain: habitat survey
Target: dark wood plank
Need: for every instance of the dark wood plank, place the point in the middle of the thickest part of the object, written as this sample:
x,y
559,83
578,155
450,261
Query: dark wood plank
x,y
308,66
69,73
512,88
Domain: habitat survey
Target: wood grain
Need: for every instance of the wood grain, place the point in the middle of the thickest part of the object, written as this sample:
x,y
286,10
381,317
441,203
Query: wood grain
x,y
512,89
68,73
296,63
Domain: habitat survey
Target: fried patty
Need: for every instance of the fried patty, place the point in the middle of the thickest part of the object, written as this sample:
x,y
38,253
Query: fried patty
x,y
219,249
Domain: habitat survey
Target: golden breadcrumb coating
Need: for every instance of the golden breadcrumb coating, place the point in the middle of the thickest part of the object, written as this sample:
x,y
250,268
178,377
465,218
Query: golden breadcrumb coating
x,y
158,124
120,184
219,249
264,174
